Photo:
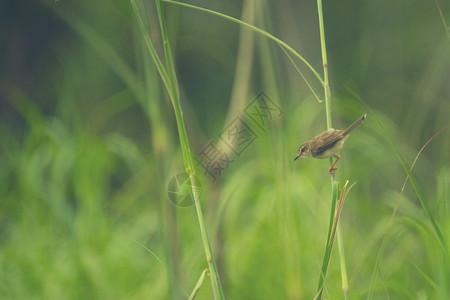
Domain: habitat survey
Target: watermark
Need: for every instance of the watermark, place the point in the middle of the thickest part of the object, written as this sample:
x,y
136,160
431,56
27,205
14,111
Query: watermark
x,y
180,190
217,156
237,136
262,110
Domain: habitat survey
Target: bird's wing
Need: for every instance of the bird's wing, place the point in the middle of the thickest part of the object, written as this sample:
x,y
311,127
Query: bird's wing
x,y
326,140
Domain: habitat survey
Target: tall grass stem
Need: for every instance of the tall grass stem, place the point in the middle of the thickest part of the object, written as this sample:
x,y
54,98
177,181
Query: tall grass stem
x,y
326,84
327,92
328,247
168,75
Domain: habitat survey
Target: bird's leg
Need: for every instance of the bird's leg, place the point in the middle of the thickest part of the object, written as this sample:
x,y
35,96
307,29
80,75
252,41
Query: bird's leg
x,y
332,168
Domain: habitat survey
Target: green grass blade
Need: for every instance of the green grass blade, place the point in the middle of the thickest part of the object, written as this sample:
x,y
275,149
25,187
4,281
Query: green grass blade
x,y
169,81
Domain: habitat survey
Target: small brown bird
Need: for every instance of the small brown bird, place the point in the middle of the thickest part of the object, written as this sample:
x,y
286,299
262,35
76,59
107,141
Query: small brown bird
x,y
327,144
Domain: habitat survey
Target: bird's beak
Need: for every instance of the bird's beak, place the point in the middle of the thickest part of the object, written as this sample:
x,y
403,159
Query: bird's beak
x,y
298,155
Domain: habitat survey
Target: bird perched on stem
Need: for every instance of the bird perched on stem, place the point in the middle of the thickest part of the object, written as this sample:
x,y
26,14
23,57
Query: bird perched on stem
x,y
327,144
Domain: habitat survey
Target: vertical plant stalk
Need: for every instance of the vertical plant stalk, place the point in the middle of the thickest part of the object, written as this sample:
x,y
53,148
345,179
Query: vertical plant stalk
x,y
327,254
168,76
186,150
327,92
326,87
337,202
213,273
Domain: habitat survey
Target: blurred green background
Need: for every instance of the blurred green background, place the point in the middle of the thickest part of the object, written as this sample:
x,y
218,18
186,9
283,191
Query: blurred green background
x,y
89,144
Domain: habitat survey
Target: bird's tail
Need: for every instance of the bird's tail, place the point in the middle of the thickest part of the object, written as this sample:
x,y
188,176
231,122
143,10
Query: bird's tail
x,y
354,125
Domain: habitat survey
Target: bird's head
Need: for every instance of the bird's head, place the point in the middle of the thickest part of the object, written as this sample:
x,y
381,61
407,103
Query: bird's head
x,y
303,151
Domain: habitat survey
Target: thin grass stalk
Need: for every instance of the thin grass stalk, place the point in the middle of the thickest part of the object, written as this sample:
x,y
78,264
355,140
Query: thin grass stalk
x,y
332,230
189,165
169,78
327,91
167,52
213,273
328,247
326,85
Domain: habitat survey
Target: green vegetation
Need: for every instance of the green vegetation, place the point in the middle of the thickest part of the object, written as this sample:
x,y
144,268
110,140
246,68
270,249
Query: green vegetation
x,y
99,113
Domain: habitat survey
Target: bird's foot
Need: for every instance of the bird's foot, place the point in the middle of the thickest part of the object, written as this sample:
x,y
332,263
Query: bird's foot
x,y
332,170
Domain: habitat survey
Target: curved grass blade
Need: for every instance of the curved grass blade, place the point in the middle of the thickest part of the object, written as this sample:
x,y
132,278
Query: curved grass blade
x,y
258,30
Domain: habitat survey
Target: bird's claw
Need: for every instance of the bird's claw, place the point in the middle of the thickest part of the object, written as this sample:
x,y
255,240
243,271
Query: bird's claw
x,y
332,170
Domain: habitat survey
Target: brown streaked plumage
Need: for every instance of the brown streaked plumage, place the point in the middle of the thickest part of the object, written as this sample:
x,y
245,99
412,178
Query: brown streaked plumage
x,y
327,144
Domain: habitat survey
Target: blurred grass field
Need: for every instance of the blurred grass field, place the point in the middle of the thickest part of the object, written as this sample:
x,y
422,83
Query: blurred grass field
x,y
89,144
